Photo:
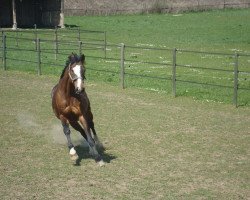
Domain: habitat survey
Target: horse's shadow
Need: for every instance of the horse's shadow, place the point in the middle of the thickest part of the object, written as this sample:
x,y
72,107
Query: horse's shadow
x,y
83,153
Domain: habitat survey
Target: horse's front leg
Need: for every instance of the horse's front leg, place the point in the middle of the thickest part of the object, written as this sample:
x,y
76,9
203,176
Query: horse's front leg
x,y
91,125
91,142
72,151
99,144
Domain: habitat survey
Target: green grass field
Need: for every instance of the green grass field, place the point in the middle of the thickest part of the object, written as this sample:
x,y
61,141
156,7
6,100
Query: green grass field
x,y
214,31
157,147
217,31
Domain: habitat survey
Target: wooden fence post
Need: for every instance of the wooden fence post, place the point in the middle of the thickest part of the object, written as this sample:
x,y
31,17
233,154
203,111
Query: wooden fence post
x,y
2,45
174,73
79,34
4,52
80,47
16,37
122,66
236,72
56,43
35,33
105,45
38,57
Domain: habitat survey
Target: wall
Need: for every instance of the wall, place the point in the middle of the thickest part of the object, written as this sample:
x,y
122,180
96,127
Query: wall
x,y
29,12
5,13
105,7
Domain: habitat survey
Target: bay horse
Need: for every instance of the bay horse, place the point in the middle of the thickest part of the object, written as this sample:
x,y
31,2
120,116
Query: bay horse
x,y
71,106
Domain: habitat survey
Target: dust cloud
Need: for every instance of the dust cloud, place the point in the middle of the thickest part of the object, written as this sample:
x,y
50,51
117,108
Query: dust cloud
x,y
54,131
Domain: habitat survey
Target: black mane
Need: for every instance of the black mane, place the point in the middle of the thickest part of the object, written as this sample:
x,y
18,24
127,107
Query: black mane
x,y
73,58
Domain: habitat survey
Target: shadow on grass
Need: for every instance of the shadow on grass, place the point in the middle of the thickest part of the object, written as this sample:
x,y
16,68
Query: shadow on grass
x,y
83,153
71,26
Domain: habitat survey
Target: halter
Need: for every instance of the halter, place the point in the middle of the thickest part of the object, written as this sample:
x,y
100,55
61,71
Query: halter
x,y
75,77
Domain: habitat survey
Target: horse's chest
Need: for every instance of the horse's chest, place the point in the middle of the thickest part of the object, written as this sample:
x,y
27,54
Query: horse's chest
x,y
72,112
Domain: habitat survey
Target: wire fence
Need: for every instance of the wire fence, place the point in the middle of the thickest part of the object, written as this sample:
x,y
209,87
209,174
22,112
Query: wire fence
x,y
57,36
129,65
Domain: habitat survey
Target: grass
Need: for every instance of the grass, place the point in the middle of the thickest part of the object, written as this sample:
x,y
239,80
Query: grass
x,y
212,30
157,147
217,31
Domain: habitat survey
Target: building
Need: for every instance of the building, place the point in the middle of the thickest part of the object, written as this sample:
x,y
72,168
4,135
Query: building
x,y
27,13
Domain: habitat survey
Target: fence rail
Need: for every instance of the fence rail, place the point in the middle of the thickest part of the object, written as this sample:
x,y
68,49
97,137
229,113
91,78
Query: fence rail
x,y
125,57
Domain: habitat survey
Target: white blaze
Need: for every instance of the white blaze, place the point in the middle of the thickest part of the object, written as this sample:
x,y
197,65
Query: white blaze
x,y
77,71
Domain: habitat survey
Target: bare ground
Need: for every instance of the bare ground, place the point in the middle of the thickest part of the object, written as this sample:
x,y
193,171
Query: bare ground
x,y
158,147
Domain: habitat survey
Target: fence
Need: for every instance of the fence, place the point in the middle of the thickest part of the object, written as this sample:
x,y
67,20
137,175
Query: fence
x,y
175,66
228,74
48,47
58,36
231,73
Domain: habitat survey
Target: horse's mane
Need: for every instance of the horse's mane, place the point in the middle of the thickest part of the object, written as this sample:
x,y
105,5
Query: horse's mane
x,y
73,58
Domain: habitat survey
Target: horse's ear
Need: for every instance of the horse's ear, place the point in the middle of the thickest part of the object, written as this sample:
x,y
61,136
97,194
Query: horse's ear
x,y
82,58
71,57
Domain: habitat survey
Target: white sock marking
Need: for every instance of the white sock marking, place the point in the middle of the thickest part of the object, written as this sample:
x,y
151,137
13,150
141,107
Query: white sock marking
x,y
72,151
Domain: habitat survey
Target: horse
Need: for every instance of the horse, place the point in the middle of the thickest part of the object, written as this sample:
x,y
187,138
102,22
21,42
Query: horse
x,y
71,106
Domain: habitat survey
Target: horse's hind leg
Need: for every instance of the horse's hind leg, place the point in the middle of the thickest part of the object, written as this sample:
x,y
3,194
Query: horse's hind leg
x,y
72,150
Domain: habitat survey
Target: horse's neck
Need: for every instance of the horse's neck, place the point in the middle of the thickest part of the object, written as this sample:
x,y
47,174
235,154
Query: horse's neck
x,y
66,85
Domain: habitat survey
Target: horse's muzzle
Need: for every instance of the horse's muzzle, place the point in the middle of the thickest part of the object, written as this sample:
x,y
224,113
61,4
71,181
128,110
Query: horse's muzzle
x,y
78,90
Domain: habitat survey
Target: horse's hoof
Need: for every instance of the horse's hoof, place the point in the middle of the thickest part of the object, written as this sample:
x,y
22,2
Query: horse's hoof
x,y
101,163
74,157
73,154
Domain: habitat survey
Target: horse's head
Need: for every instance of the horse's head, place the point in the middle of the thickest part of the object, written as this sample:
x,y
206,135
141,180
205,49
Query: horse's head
x,y
77,71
